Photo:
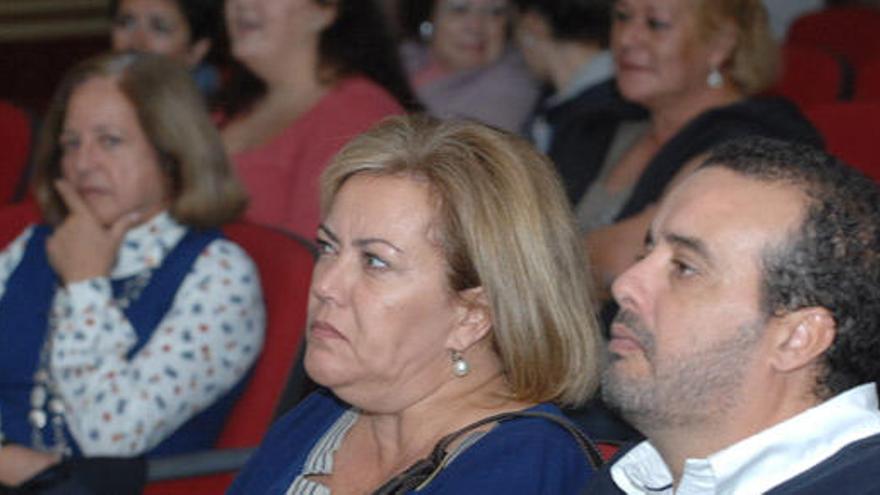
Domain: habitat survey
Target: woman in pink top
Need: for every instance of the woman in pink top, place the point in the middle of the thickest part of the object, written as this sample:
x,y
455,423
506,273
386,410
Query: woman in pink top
x,y
313,74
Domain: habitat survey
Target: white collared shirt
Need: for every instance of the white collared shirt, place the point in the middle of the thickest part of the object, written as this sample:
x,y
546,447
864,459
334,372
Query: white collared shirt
x,y
762,461
202,347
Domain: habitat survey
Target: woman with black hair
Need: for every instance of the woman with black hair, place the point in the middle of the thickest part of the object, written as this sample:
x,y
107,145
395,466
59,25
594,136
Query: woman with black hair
x,y
184,30
312,75
565,45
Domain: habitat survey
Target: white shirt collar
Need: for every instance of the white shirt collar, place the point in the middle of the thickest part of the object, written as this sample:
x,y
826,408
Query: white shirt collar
x,y
764,460
146,245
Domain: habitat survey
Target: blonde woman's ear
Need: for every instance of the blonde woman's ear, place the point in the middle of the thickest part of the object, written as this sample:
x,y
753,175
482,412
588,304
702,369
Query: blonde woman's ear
x,y
474,320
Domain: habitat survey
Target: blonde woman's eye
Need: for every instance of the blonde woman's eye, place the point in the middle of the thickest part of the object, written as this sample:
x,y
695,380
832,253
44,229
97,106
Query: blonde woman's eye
x,y
324,247
374,262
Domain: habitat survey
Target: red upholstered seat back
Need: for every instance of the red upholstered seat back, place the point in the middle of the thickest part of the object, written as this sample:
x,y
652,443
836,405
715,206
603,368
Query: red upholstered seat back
x,y
853,32
14,218
15,147
852,132
810,75
285,266
868,81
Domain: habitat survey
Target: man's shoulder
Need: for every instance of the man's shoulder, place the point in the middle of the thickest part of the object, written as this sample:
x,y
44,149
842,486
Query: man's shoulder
x,y
852,470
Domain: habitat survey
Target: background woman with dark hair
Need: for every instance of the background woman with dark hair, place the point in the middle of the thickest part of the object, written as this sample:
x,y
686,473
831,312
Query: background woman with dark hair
x,y
565,44
313,74
184,30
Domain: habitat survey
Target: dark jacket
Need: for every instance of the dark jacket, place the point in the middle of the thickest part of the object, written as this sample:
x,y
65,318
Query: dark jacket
x,y
587,128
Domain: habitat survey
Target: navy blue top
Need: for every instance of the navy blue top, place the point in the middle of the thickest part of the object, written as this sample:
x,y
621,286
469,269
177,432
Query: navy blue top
x,y
526,456
854,470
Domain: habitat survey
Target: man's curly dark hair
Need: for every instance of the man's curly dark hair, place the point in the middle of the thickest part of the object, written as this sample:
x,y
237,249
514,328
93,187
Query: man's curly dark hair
x,y
832,260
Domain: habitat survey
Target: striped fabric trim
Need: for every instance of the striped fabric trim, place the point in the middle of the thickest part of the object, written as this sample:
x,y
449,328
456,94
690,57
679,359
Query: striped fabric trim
x,y
320,460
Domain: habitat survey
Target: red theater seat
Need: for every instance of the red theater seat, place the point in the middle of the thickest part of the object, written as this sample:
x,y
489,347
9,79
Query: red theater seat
x,y
851,31
812,75
852,132
285,266
14,218
868,81
15,148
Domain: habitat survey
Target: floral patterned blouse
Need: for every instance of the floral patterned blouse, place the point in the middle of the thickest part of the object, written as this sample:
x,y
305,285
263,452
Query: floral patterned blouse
x,y
119,405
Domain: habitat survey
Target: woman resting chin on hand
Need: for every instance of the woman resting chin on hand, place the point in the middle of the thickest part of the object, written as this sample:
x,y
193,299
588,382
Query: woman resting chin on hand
x,y
127,314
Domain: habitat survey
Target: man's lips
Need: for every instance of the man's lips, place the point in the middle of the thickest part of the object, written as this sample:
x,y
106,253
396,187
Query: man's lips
x,y
324,330
623,340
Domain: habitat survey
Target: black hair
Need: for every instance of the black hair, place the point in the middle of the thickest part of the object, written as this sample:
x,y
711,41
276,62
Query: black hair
x,y
574,20
202,16
359,42
831,261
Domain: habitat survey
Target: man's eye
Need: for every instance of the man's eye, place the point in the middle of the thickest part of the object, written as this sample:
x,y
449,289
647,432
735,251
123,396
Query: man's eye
x,y
683,269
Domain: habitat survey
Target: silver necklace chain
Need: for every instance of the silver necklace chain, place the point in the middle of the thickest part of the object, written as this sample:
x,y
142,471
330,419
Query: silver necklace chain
x,y
47,406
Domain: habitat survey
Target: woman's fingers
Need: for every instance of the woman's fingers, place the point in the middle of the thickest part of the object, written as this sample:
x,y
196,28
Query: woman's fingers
x,y
122,224
71,198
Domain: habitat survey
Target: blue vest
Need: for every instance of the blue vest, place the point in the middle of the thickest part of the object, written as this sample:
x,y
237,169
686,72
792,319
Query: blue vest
x,y
24,310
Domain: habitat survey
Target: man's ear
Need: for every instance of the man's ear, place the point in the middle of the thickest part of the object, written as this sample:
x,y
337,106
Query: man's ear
x,y
474,320
197,52
801,337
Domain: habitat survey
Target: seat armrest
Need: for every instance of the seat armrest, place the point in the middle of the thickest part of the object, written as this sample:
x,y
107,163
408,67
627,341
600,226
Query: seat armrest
x,y
197,463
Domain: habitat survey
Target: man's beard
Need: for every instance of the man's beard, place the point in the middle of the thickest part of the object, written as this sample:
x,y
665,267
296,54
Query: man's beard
x,y
685,389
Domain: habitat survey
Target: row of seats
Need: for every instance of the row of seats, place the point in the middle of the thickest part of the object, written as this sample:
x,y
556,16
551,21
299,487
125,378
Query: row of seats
x,y
832,55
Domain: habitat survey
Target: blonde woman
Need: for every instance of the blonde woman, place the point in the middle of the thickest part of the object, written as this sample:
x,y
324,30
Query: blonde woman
x,y
451,287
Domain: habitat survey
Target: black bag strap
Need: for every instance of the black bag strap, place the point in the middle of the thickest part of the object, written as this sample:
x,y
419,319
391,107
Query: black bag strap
x,y
424,470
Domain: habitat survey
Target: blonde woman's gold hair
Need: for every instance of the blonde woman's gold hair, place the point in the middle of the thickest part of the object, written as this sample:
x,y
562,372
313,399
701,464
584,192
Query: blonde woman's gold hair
x,y
504,224
172,113
753,65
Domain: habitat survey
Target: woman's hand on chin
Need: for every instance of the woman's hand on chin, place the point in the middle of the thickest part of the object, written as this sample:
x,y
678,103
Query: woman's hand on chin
x,y
81,247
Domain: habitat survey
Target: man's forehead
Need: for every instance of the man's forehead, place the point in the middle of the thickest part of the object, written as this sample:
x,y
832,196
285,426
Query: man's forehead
x,y
716,204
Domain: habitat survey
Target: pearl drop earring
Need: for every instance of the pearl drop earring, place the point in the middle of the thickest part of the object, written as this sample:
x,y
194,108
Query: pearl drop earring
x,y
460,367
715,80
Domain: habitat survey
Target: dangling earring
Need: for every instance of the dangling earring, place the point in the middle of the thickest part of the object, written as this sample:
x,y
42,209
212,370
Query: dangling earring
x,y
715,80
460,367
426,30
